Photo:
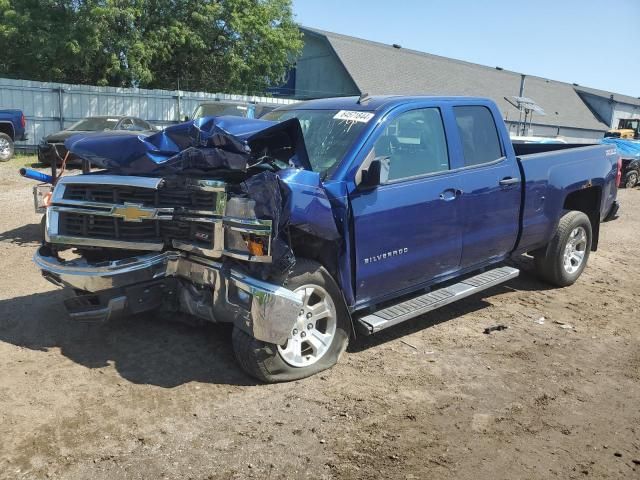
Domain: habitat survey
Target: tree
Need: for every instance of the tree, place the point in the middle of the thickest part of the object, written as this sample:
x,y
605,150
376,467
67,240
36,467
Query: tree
x,y
240,46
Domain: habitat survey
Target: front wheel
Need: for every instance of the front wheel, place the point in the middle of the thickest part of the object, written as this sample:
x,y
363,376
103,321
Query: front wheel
x,y
320,334
6,147
566,255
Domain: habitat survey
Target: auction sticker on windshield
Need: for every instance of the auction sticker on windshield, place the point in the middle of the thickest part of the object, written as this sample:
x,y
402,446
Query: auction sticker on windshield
x,y
353,116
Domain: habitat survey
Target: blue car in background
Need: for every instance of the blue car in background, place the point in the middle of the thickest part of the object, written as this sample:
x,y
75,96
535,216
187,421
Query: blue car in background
x,y
327,218
12,129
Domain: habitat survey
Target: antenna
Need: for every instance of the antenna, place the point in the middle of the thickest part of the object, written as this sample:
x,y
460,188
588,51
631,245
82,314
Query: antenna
x,y
364,99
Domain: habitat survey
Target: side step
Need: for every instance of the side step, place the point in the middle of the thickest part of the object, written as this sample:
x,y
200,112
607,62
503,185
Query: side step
x,y
398,313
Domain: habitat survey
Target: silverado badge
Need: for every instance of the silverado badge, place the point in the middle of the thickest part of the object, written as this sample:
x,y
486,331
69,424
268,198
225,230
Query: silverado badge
x,y
133,212
386,255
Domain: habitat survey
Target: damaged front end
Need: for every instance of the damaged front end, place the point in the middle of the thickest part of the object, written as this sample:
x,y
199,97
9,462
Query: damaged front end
x,y
194,219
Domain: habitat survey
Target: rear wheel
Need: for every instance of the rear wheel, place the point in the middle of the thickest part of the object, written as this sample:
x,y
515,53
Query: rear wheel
x,y
320,334
631,179
566,255
6,147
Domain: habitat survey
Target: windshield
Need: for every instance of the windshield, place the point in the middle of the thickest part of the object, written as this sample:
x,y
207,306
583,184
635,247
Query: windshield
x,y
219,109
93,124
328,134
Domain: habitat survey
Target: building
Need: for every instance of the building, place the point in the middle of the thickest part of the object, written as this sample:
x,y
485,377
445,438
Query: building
x,y
610,107
332,64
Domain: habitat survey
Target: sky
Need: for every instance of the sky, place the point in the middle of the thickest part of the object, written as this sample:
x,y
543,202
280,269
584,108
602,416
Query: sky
x,y
594,43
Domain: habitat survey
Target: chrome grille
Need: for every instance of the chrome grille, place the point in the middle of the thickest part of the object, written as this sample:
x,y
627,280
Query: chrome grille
x,y
164,197
142,213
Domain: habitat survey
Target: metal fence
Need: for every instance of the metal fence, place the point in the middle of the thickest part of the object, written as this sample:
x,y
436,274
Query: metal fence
x,y
50,107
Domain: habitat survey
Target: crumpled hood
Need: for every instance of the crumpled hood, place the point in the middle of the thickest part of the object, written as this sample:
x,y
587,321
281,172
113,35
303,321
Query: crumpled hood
x,y
202,145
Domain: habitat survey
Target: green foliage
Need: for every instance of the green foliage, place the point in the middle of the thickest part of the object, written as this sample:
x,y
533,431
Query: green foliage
x,y
240,46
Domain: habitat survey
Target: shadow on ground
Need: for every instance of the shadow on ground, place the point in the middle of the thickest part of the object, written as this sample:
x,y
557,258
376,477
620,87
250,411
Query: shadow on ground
x,y
143,350
29,234
149,350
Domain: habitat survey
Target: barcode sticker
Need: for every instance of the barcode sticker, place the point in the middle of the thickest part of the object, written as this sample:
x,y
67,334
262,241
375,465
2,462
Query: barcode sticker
x,y
353,116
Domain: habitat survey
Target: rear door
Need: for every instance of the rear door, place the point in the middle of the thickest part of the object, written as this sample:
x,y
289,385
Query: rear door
x,y
408,230
491,186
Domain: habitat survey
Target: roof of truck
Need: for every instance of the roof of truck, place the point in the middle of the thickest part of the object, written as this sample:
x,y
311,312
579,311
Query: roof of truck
x,y
372,103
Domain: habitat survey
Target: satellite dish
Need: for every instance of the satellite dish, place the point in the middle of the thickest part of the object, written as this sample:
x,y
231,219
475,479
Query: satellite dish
x,y
525,103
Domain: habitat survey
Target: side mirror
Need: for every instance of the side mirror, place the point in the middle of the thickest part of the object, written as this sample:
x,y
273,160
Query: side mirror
x,y
186,118
376,174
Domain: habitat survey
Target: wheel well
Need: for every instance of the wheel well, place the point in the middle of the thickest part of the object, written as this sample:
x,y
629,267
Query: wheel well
x,y
7,128
587,201
322,251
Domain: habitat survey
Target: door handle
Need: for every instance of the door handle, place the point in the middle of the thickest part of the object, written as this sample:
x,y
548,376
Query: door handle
x,y
450,194
506,181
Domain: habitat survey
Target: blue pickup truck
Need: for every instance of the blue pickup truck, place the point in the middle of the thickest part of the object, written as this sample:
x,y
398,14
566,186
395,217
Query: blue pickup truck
x,y
12,129
327,219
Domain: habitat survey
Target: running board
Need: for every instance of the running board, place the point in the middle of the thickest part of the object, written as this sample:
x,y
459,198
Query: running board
x,y
398,313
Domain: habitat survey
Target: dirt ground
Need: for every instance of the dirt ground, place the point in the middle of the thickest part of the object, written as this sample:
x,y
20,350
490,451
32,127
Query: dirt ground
x,y
433,398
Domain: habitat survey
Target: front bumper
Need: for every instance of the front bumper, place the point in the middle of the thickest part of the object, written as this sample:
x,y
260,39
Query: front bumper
x,y
264,310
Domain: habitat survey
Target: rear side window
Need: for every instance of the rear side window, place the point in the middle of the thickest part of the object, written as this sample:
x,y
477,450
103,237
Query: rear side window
x,y
141,124
480,141
415,143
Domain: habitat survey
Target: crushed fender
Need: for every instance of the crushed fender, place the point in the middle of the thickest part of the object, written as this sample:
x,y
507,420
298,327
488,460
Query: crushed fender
x,y
265,165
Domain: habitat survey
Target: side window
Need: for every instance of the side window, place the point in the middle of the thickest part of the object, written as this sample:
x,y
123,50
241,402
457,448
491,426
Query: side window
x,y
415,143
126,124
480,141
141,124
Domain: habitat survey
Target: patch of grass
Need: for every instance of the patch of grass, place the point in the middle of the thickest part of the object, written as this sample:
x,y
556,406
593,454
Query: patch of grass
x,y
21,160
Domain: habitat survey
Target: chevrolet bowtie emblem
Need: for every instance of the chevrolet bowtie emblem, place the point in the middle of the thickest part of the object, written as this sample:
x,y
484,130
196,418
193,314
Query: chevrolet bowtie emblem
x,y
133,212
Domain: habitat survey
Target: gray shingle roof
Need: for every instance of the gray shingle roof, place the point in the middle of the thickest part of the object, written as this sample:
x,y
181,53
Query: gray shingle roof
x,y
378,68
605,94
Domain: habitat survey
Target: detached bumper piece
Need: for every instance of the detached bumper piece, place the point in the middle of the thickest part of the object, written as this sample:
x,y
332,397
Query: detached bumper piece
x,y
174,281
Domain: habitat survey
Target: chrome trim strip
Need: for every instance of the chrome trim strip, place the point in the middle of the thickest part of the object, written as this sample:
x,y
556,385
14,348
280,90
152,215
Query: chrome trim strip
x,y
101,242
253,231
104,213
85,203
114,180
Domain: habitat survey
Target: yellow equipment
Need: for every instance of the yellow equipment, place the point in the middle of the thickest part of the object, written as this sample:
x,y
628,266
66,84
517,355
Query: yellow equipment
x,y
627,128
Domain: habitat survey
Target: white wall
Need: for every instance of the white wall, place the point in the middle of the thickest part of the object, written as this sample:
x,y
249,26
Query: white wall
x,y
49,107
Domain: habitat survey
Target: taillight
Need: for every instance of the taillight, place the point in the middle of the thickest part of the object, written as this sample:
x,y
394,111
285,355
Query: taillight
x,y
23,121
619,174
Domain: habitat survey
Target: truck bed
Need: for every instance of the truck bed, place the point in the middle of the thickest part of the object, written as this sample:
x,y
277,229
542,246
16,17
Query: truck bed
x,y
552,171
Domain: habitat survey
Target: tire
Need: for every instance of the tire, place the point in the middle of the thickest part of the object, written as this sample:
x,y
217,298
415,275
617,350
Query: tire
x,y
272,363
573,237
630,179
6,147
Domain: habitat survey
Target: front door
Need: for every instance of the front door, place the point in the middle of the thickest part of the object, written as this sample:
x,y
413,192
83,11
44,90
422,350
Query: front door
x,y
408,229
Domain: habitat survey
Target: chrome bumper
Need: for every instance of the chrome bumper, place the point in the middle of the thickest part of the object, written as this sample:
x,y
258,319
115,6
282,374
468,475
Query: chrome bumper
x,y
264,310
